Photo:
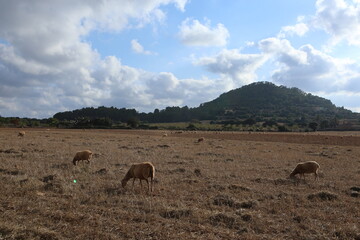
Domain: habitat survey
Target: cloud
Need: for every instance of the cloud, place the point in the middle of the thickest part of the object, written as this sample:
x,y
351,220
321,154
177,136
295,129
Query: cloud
x,y
171,91
298,29
340,19
46,66
282,49
237,68
181,4
138,48
347,99
194,33
308,68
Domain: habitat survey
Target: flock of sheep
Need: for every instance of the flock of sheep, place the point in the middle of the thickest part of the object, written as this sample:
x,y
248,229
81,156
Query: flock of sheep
x,y
142,171
146,170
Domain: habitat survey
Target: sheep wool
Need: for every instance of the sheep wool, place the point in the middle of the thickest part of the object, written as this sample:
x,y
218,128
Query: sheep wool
x,y
82,156
142,171
21,134
305,167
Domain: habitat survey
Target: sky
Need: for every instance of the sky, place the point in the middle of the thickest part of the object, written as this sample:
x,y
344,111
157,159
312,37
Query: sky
x,y
62,55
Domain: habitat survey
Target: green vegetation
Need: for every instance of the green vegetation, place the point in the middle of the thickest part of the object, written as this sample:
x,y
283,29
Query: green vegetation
x,y
260,106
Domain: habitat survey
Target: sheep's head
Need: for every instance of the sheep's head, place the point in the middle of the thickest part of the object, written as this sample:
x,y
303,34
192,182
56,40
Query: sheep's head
x,y
123,182
292,176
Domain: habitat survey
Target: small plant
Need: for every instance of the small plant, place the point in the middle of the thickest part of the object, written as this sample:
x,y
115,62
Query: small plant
x,y
323,196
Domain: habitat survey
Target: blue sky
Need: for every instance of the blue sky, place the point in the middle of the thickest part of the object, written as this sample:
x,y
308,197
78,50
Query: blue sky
x,y
59,55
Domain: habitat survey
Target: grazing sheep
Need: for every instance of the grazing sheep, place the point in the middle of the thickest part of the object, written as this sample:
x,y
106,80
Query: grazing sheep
x,y
21,134
201,139
164,135
142,171
82,156
305,167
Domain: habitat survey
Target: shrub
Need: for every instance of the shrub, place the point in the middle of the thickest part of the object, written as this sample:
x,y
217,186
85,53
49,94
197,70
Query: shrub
x,y
323,196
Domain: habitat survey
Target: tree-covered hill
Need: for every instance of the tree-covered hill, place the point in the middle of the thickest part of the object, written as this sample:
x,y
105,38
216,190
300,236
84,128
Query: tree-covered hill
x,y
260,101
266,100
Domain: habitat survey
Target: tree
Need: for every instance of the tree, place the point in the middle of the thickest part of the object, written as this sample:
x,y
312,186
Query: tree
x,y
334,122
191,126
313,126
249,121
324,124
133,122
15,121
269,123
53,122
282,128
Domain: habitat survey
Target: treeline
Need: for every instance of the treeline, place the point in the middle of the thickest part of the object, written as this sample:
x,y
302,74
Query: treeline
x,y
169,114
260,105
134,121
28,122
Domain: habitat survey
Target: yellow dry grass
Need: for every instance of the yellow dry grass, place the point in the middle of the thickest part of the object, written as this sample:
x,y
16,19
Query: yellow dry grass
x,y
230,186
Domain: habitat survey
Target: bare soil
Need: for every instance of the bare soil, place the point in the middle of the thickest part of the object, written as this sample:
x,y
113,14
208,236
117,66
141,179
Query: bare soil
x,y
229,186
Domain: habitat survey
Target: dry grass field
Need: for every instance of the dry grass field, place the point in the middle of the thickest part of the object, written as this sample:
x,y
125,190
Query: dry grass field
x,y
230,186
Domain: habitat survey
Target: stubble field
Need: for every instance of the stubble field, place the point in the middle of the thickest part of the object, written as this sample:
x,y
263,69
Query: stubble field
x,y
230,186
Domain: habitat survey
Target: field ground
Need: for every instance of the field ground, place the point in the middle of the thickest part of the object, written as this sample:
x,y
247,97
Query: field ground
x,y
230,186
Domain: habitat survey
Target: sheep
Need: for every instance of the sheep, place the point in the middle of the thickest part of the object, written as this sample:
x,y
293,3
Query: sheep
x,y
82,156
201,139
164,135
21,134
142,171
305,167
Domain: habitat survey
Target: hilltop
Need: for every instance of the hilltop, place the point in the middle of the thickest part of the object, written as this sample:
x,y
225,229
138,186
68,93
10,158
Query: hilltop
x,y
266,100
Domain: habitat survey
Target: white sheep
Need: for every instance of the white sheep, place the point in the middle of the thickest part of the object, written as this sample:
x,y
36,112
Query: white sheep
x,y
305,167
82,156
165,135
142,171
21,134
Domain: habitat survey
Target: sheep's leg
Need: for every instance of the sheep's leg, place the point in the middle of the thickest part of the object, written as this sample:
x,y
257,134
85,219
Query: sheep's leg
x,y
147,184
297,181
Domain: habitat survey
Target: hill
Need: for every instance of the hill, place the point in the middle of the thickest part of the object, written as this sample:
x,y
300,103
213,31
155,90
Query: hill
x,y
256,102
266,100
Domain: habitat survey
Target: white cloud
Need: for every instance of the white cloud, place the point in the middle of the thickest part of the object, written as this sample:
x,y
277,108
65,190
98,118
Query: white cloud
x,y
237,68
45,63
138,48
194,33
171,91
282,49
308,68
299,29
343,98
181,4
340,19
